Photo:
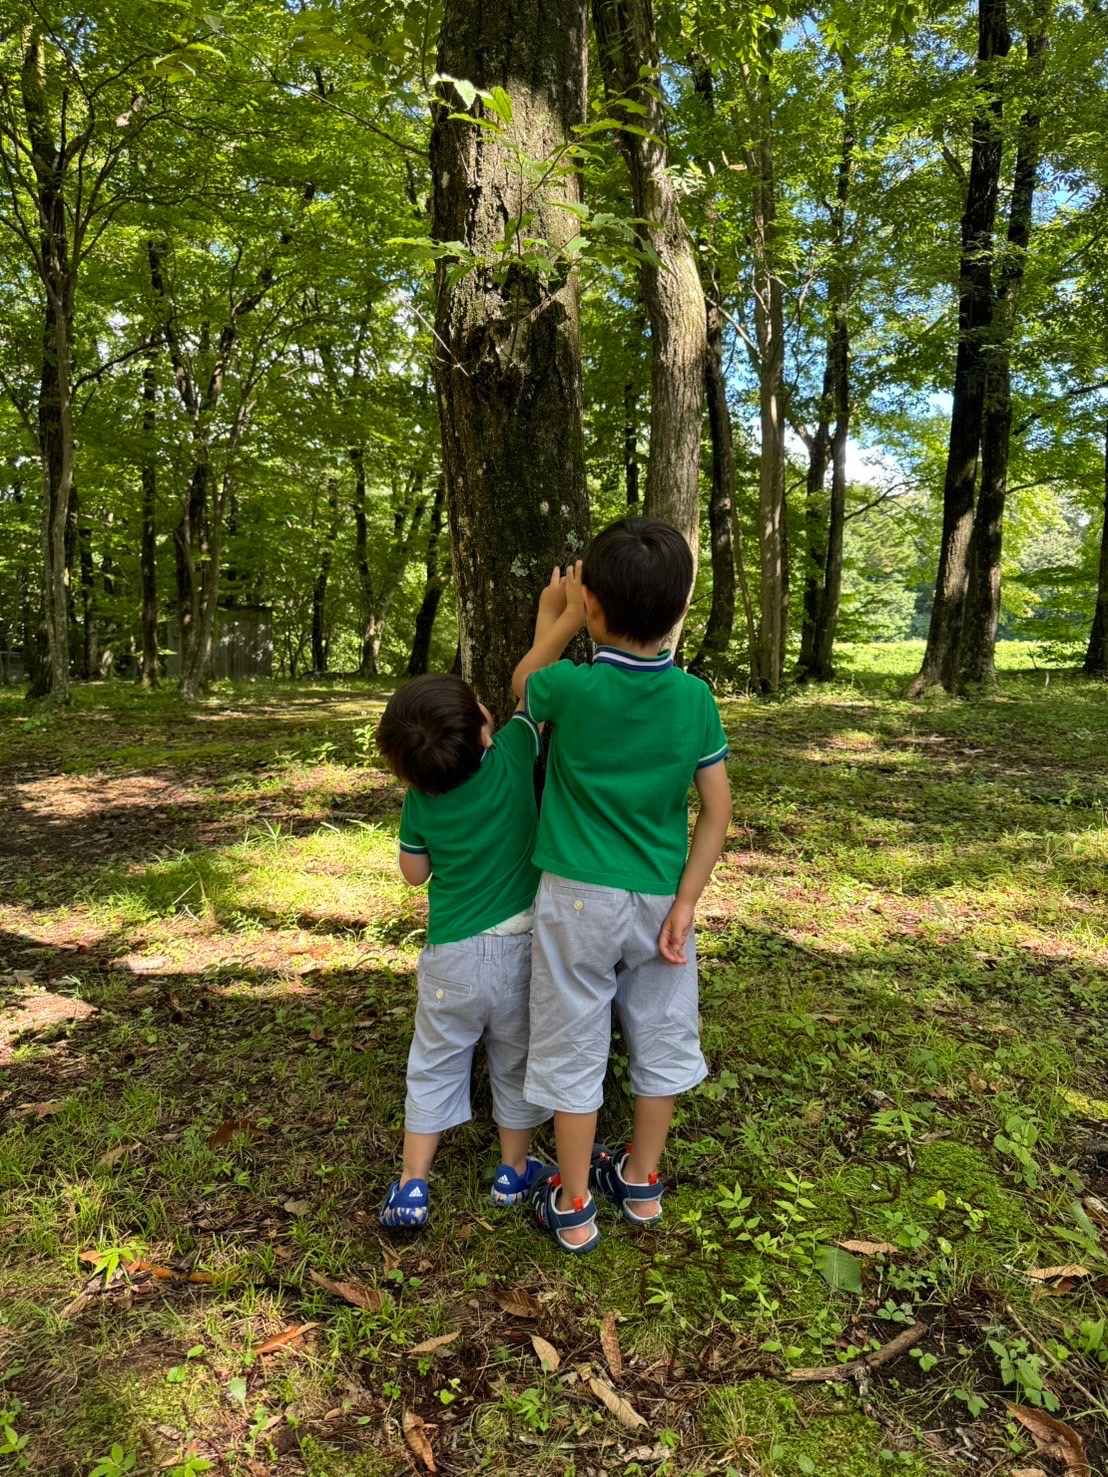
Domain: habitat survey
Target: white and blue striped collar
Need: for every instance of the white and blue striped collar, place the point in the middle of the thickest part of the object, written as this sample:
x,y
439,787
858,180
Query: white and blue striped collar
x,y
614,656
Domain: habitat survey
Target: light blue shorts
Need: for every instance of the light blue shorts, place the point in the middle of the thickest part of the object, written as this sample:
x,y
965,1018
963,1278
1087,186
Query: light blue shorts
x,y
475,989
593,946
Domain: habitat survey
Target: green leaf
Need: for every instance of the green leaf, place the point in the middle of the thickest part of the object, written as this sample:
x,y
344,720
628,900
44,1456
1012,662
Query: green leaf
x,y
839,1269
501,104
465,90
805,1464
236,1390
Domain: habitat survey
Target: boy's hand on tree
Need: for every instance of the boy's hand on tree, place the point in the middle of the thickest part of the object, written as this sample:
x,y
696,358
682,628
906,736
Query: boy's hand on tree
x,y
675,932
552,601
574,593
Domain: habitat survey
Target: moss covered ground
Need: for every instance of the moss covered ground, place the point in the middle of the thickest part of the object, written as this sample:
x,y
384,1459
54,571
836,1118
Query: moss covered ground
x,y
206,973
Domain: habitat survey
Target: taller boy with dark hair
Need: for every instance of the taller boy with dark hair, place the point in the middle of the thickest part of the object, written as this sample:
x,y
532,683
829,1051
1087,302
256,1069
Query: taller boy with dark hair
x,y
620,884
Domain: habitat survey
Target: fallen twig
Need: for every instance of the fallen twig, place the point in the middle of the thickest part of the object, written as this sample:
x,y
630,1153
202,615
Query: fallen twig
x,y
854,1368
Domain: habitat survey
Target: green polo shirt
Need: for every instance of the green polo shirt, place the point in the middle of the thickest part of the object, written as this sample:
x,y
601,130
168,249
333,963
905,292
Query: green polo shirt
x,y
629,734
479,838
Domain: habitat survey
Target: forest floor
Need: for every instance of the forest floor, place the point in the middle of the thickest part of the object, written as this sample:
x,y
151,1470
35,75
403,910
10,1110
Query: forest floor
x,y
206,972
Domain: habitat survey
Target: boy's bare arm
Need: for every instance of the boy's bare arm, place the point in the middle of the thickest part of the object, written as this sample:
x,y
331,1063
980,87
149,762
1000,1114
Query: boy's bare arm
x,y
561,615
707,843
415,867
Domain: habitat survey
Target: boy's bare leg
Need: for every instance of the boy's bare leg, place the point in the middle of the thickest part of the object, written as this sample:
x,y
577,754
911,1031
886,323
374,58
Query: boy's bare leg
x,y
653,1116
419,1150
514,1145
574,1136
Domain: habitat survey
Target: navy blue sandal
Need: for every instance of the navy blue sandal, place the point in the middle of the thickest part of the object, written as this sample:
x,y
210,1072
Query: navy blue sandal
x,y
406,1208
606,1177
548,1218
509,1188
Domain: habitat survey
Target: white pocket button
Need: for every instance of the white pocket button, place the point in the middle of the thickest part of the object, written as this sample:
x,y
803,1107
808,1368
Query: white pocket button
x,y
438,994
578,905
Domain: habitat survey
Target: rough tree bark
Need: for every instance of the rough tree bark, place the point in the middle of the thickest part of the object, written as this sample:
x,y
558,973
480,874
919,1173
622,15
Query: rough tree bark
x,y
507,353
671,289
975,302
147,564
982,614
434,585
1096,655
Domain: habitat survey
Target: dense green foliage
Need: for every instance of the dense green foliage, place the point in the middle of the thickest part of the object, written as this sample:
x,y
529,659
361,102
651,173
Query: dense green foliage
x,y
255,183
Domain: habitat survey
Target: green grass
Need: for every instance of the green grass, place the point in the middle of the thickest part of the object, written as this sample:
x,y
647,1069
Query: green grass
x,y
905,1006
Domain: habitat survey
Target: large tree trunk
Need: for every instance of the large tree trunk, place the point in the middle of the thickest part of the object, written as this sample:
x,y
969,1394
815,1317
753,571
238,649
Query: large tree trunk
x,y
323,574
672,292
983,598
432,590
90,641
55,408
817,511
975,302
507,352
147,567
1096,656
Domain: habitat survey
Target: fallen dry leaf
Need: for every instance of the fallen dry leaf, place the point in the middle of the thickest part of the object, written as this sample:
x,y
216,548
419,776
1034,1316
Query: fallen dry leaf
x,y
428,1346
626,1414
977,1082
353,1292
39,1110
165,1274
814,1114
548,1355
281,1342
1053,1438
868,1248
519,1302
113,1156
609,1342
226,1132
316,1033
297,1207
1048,1274
1027,1472
415,1434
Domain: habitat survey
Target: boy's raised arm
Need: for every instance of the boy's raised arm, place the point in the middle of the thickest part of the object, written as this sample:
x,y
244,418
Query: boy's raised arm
x,y
561,615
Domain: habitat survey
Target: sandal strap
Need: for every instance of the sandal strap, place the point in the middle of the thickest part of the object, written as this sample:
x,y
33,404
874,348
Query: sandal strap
x,y
608,1177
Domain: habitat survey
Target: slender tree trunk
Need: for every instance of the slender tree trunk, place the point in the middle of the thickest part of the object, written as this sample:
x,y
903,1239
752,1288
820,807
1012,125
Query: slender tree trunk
x,y
769,328
672,292
319,588
55,411
816,517
507,355
432,589
826,518
1096,656
90,645
721,506
941,658
631,445
983,599
147,551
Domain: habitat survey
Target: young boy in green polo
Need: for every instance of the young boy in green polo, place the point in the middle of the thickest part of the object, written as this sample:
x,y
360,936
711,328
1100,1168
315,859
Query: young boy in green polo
x,y
468,824
620,882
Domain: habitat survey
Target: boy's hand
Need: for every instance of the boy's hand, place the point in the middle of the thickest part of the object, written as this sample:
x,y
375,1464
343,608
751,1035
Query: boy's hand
x,y
574,593
675,932
552,601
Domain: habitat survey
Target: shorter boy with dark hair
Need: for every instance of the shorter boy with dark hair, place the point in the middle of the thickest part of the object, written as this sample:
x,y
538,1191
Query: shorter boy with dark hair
x,y
620,883
468,824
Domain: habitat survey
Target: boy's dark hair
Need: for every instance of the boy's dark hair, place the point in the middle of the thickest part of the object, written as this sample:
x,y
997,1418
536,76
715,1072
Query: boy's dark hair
x,y
641,571
430,733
